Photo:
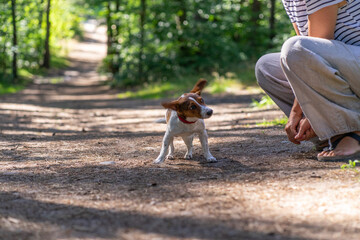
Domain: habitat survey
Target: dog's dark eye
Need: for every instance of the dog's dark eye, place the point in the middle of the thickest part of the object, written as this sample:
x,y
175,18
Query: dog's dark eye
x,y
201,100
192,107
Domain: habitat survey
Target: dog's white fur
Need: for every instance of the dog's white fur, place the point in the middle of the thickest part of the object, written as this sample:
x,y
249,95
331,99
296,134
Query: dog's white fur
x,y
175,127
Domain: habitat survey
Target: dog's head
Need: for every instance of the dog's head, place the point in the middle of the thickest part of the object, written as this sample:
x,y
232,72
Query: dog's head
x,y
191,105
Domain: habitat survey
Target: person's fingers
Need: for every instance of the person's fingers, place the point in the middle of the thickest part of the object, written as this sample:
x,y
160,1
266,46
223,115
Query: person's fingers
x,y
312,134
292,139
291,131
307,135
301,132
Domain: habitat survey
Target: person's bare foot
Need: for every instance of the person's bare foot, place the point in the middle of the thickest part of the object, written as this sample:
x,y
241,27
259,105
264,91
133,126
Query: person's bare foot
x,y
347,146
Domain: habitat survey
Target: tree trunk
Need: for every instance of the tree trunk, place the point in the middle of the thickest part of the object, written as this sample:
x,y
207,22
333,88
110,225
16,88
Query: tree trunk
x,y
256,8
142,40
46,63
254,23
272,19
40,41
117,9
236,34
41,12
14,62
109,30
3,53
183,17
180,26
116,62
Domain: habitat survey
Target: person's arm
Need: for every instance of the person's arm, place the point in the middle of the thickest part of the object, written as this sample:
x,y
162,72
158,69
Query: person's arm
x,y
321,24
296,29
295,117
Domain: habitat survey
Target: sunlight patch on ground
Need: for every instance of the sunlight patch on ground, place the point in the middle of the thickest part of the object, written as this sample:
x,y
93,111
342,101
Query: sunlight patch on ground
x,y
54,142
25,107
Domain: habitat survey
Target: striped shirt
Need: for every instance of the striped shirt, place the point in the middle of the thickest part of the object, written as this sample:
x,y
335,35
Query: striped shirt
x,y
347,27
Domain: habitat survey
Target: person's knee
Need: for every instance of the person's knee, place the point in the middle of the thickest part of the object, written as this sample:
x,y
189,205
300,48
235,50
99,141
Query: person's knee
x,y
259,69
262,70
295,52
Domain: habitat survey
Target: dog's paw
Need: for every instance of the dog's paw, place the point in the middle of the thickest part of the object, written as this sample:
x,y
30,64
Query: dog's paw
x,y
211,159
159,160
170,157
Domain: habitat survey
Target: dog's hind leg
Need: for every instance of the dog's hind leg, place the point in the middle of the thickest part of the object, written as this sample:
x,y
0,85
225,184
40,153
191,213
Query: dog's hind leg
x,y
205,146
188,140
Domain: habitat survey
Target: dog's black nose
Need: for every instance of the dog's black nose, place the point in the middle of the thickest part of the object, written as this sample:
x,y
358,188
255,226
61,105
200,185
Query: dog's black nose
x,y
210,112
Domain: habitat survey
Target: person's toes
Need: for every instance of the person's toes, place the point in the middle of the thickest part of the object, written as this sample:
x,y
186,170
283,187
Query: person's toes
x,y
327,153
323,153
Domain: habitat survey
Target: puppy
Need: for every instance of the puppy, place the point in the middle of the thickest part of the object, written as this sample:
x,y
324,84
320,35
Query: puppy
x,y
185,118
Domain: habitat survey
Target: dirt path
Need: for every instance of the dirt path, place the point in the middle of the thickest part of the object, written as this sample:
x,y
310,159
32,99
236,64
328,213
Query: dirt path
x,y
76,163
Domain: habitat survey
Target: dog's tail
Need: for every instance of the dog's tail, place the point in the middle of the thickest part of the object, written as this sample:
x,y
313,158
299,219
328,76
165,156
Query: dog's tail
x,y
161,120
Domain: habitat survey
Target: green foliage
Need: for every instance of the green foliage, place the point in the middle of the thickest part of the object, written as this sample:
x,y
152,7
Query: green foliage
x,y
9,88
30,23
154,91
171,89
265,102
351,165
276,122
177,38
185,37
175,86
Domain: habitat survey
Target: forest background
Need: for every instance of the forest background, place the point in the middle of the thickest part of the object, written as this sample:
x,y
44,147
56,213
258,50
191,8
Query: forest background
x,y
149,41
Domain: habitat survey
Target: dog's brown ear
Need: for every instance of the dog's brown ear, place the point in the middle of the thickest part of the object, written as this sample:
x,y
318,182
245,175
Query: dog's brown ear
x,y
199,86
174,105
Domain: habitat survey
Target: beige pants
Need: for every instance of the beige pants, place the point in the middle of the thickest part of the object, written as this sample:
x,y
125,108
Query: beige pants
x,y
324,75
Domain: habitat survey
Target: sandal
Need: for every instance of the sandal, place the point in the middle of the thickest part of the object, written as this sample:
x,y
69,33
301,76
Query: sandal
x,y
353,156
319,145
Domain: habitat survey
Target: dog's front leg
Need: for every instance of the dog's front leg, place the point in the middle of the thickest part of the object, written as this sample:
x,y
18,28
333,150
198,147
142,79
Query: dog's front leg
x,y
170,156
205,146
188,140
164,148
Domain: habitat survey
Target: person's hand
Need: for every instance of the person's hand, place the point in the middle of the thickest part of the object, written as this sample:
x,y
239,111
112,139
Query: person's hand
x,y
292,127
305,131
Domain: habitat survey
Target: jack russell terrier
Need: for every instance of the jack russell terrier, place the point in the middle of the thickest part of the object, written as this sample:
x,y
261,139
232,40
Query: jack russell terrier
x,y
185,118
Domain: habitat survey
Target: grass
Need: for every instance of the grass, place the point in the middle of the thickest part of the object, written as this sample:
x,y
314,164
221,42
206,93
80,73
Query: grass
x,y
230,82
276,122
27,75
153,91
176,87
351,165
6,85
265,102
6,88
59,62
56,80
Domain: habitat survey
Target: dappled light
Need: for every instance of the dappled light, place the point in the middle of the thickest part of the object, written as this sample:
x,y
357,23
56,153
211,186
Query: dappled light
x,y
77,151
